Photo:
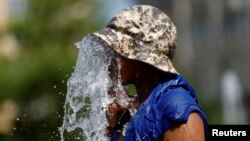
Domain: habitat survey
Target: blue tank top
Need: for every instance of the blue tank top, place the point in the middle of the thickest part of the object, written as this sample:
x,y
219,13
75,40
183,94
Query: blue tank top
x,y
169,103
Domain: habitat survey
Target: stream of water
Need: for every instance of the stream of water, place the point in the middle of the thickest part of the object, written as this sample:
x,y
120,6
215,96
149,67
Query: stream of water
x,y
87,95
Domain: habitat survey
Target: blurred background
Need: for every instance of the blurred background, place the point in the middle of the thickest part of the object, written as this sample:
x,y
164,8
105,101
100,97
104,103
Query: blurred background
x,y
37,56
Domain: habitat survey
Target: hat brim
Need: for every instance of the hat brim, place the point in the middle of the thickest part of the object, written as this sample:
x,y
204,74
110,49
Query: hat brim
x,y
134,49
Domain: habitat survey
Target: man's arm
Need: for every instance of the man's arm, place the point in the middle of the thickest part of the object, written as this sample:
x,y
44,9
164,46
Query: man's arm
x,y
192,130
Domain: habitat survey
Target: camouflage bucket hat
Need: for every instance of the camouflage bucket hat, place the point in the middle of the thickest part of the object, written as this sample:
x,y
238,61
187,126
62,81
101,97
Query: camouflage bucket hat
x,y
143,33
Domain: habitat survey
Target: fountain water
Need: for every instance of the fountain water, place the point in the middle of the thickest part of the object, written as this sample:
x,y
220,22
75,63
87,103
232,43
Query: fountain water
x,y
87,96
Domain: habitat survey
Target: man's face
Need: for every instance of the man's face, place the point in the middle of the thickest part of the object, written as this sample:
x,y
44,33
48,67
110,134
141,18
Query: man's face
x,y
128,70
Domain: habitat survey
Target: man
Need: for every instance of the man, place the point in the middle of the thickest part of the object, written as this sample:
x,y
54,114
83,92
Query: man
x,y
145,39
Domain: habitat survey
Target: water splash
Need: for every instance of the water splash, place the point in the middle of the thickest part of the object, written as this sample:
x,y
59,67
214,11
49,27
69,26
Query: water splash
x,y
87,96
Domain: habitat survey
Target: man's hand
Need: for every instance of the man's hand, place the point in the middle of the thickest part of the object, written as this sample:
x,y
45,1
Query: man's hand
x,y
119,113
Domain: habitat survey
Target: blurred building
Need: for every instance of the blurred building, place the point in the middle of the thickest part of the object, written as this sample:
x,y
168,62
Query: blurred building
x,y
10,10
4,15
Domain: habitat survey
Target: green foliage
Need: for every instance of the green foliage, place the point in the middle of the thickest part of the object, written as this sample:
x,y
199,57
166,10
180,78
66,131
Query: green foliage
x,y
132,90
56,21
36,77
